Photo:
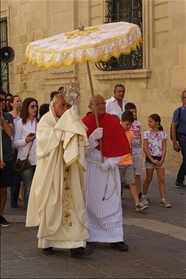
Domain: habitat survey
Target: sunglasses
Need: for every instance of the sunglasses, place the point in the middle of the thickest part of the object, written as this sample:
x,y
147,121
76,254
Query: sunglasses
x,y
34,106
2,99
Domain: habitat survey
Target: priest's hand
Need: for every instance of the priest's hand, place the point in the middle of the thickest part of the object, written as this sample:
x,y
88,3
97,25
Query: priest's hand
x,y
97,134
105,166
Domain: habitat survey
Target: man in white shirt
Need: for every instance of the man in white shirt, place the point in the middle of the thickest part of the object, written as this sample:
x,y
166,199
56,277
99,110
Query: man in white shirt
x,y
116,104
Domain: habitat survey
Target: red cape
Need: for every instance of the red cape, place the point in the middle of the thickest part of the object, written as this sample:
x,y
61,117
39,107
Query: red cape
x,y
114,140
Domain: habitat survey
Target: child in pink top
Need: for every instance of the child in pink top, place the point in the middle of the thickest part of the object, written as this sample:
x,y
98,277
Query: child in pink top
x,y
126,166
154,146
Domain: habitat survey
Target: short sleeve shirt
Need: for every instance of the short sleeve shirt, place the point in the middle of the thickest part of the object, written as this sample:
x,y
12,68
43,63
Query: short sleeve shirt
x,y
155,142
127,159
179,116
6,140
136,128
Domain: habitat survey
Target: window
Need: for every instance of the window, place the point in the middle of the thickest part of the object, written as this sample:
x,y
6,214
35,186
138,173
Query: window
x,y
4,73
130,11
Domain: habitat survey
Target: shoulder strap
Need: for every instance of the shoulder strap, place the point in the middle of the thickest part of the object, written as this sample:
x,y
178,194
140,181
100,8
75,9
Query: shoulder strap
x,y
179,113
30,149
31,144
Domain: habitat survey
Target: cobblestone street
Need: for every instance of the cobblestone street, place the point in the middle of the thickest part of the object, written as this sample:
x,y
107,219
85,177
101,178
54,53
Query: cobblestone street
x,y
156,239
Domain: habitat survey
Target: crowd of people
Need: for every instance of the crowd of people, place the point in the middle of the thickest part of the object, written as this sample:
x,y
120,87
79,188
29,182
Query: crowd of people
x,y
73,188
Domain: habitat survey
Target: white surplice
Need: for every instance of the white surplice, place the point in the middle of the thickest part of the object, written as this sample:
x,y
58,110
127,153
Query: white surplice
x,y
56,202
103,198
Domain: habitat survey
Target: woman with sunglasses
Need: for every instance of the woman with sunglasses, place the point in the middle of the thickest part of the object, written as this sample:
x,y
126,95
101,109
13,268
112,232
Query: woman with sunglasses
x,y
24,139
7,98
6,156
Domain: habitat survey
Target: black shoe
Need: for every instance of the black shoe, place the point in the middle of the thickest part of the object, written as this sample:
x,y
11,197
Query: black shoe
x,y
180,185
80,252
3,222
120,246
47,251
14,204
140,195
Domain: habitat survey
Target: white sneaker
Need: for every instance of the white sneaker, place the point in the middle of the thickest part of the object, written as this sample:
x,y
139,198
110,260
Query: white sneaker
x,y
165,204
145,201
140,206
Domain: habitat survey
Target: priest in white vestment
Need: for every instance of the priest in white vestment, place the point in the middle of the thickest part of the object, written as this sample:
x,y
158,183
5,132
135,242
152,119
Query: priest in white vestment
x,y
56,202
102,179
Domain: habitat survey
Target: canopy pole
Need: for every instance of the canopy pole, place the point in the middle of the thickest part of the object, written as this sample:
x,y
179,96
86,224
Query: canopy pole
x,y
1,143
92,93
94,104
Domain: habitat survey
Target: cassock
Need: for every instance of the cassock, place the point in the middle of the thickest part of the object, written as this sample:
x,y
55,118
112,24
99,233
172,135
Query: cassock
x,y
103,189
56,202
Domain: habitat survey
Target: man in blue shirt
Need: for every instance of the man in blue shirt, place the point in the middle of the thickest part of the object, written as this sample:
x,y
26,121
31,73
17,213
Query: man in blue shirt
x,y
6,156
178,132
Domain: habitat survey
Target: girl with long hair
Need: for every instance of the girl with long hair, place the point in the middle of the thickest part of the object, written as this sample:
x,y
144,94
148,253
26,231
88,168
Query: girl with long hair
x,y
154,146
25,140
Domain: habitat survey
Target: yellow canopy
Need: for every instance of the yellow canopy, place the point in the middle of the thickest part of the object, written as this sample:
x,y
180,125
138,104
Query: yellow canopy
x,y
92,44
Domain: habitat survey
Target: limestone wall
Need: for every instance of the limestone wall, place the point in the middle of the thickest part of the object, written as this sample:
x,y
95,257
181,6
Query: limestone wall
x,y
154,89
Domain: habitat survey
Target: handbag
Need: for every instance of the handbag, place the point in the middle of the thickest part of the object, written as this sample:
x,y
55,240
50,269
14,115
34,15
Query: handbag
x,y
22,165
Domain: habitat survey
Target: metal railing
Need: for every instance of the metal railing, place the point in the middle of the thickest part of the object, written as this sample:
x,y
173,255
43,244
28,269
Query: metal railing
x,y
4,69
130,11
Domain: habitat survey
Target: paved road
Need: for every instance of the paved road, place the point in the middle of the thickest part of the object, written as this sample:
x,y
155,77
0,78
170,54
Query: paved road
x,y
156,239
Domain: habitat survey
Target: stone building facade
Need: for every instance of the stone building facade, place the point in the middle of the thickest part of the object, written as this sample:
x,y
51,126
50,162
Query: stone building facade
x,y
154,89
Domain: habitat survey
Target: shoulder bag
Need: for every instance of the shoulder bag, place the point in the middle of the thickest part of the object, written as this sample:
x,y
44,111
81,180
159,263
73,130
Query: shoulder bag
x,y
22,165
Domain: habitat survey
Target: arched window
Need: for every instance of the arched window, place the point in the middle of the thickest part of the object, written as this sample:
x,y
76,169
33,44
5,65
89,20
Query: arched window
x,y
130,11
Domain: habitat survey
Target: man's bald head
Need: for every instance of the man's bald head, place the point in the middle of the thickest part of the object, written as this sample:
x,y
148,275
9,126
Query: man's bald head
x,y
99,104
96,96
60,105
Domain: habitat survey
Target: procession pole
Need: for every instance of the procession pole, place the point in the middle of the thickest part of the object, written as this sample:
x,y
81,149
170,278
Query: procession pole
x,y
1,144
94,104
